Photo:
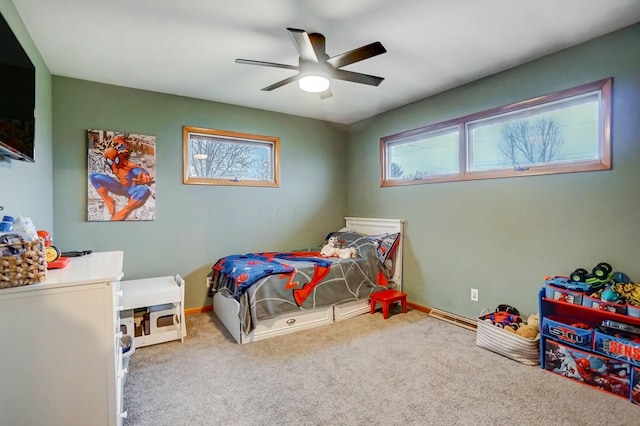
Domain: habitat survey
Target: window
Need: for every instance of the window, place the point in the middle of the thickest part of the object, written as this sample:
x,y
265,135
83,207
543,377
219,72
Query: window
x,y
567,131
217,157
424,155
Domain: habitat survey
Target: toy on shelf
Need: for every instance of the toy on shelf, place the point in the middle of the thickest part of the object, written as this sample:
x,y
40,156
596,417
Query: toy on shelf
x,y
602,289
612,327
620,290
566,282
53,255
608,295
600,275
628,291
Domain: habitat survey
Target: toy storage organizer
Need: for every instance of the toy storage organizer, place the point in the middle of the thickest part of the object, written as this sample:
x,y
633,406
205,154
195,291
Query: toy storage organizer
x,y
572,345
153,310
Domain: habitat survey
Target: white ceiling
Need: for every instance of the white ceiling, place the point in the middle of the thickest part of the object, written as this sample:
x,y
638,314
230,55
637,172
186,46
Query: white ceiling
x,y
188,47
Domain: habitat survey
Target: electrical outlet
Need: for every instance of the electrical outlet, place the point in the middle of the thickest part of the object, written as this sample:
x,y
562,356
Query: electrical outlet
x,y
474,294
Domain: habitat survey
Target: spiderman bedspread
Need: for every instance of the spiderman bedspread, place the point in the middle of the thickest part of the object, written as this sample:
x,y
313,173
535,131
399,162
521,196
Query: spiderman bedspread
x,y
273,283
246,269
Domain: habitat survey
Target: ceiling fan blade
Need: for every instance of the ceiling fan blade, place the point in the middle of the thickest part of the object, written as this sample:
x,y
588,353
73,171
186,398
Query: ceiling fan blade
x,y
357,77
281,83
303,45
319,45
356,55
326,94
266,64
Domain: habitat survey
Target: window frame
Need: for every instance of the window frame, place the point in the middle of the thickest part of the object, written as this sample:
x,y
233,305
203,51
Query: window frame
x,y
273,142
603,86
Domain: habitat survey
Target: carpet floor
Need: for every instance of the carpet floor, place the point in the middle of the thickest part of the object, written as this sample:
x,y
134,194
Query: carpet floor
x,y
410,369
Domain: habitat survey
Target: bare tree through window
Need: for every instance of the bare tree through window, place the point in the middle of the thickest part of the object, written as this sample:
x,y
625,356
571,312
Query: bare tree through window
x,y
524,143
224,158
396,171
562,132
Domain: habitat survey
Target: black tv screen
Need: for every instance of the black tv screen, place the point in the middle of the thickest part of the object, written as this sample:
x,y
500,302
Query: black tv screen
x,y
17,97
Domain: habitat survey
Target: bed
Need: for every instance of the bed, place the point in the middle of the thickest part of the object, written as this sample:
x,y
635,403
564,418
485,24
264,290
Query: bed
x,y
262,295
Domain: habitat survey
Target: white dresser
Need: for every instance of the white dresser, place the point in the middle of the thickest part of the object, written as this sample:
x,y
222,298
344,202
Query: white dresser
x,y
60,356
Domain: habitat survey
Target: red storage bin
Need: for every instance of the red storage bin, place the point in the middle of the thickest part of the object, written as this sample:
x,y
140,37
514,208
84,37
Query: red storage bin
x,y
589,369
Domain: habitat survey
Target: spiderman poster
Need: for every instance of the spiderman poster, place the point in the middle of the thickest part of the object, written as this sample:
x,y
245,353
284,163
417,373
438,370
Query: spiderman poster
x,y
121,176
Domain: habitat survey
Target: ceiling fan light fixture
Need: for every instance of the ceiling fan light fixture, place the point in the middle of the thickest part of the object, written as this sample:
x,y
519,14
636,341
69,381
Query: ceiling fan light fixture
x,y
314,83
316,68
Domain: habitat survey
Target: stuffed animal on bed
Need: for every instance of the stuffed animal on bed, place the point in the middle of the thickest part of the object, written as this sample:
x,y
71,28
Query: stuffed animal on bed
x,y
332,249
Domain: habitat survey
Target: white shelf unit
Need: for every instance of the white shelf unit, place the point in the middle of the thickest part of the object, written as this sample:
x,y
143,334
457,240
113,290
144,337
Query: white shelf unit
x,y
163,299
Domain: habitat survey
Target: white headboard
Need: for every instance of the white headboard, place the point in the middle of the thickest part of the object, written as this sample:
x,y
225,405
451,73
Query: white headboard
x,y
372,226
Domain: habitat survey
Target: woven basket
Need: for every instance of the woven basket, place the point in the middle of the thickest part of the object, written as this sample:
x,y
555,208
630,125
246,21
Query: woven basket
x,y
28,266
518,348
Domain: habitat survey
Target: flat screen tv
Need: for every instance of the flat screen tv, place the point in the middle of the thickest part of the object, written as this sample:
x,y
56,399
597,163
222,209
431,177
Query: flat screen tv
x,y
17,97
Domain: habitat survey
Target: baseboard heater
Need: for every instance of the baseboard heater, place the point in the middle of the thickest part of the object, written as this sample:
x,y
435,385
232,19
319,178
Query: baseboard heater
x,y
453,319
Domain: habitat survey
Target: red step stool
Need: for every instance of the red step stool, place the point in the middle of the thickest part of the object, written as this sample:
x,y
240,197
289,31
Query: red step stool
x,y
386,298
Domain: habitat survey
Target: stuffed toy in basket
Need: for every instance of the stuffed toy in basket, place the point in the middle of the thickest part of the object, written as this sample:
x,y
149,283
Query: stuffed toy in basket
x,y
498,332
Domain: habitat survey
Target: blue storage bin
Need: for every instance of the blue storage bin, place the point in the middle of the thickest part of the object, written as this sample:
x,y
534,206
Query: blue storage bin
x,y
633,311
563,294
565,329
602,305
617,347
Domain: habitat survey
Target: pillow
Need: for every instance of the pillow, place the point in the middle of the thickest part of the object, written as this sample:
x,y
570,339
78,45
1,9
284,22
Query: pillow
x,y
348,238
387,244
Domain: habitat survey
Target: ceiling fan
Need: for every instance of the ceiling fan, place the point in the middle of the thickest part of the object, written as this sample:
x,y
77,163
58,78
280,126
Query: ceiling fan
x,y
315,68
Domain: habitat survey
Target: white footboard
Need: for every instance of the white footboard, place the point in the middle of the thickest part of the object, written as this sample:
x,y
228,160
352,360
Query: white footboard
x,y
228,311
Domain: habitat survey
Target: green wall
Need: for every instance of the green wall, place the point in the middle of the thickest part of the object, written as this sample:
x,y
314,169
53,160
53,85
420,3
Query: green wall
x,y
26,188
195,224
502,236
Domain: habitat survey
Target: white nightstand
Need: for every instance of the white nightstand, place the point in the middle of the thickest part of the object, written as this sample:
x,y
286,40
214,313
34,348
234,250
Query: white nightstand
x,y
163,300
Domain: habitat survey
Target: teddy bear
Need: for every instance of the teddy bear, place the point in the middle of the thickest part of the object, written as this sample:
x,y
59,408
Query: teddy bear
x,y
332,249
530,329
